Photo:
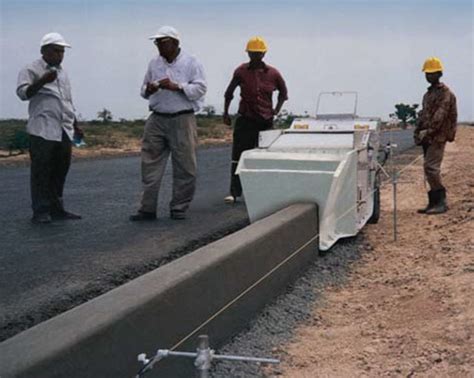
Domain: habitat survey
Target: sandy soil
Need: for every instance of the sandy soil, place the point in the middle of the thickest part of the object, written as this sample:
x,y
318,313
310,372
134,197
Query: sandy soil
x,y
408,307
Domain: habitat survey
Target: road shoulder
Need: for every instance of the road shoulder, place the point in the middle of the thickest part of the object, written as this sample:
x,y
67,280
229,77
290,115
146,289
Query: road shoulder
x,y
407,307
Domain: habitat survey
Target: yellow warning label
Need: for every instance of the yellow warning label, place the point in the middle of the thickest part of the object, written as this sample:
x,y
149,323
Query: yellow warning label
x,y
301,126
361,127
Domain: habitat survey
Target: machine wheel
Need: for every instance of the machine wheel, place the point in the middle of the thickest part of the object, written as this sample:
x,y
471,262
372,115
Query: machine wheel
x,y
376,213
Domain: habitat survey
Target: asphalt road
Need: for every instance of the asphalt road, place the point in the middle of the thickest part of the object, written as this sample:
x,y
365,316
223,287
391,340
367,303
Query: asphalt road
x,y
45,270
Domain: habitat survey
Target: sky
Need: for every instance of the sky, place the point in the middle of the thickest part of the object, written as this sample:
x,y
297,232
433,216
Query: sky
x,y
373,47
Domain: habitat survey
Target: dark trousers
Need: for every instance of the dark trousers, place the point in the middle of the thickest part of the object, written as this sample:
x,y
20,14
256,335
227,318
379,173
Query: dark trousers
x,y
245,137
50,161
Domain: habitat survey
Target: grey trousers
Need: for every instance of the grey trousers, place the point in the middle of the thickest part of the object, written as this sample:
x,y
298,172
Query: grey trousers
x,y
433,154
164,136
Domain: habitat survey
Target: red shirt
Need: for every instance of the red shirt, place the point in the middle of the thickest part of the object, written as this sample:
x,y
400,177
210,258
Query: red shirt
x,y
256,90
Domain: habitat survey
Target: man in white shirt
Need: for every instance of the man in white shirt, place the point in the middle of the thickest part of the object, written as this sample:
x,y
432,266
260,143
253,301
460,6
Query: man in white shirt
x,y
51,126
174,85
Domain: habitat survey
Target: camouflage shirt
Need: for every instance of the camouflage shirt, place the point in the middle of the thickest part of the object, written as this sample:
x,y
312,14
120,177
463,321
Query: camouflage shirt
x,y
439,115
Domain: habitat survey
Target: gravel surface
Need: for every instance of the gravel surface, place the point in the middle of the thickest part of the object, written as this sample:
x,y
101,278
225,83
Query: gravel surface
x,y
274,326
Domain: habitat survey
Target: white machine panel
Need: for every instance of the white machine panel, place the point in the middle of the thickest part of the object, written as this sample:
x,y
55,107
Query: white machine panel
x,y
313,141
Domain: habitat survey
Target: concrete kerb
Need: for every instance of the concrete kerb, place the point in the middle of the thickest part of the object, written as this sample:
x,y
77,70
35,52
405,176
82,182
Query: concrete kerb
x,y
102,337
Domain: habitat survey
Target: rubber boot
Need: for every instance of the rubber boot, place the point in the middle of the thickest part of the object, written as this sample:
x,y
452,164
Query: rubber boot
x,y
430,203
440,205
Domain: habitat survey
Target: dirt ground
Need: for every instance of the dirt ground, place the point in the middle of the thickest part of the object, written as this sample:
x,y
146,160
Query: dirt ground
x,y
408,306
130,148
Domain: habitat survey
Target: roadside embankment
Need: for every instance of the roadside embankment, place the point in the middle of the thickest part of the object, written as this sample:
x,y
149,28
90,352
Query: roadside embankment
x,y
378,307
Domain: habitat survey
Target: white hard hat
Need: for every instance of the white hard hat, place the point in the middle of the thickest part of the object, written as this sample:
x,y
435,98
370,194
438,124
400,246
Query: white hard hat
x,y
166,31
54,39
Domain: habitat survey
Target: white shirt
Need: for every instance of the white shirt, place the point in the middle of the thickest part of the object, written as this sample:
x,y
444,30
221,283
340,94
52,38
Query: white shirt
x,y
51,109
187,72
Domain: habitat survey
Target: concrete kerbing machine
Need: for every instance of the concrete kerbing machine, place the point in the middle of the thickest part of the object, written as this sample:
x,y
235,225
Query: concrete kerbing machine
x,y
330,160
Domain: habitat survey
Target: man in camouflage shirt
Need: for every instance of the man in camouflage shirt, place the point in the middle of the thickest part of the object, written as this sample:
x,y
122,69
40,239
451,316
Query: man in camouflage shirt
x,y
436,126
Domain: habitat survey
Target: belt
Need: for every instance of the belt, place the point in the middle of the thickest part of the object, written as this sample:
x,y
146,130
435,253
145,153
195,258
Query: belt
x,y
171,115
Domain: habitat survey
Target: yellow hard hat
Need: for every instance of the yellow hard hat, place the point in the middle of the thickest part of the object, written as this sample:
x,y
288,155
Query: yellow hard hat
x,y
256,44
432,64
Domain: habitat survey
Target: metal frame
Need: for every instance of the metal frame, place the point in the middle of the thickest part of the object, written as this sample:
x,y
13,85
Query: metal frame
x,y
338,116
204,356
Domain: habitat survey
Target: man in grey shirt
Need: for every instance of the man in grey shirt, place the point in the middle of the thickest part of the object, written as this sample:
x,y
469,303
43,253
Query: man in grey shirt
x,y
174,85
51,126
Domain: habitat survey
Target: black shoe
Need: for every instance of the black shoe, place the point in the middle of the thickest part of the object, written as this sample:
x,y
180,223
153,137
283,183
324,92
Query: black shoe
x,y
65,215
142,216
177,214
43,218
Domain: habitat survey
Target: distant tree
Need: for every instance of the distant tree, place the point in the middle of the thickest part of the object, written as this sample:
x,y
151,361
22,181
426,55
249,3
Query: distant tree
x,y
209,110
405,113
105,115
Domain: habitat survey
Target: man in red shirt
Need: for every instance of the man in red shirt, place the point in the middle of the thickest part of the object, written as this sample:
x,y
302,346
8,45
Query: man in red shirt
x,y
257,81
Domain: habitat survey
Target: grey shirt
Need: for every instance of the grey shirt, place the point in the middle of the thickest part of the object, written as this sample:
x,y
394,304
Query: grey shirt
x,y
51,109
187,72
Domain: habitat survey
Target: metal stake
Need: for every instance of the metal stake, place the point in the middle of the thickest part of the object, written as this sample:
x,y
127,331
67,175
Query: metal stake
x,y
204,357
394,182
